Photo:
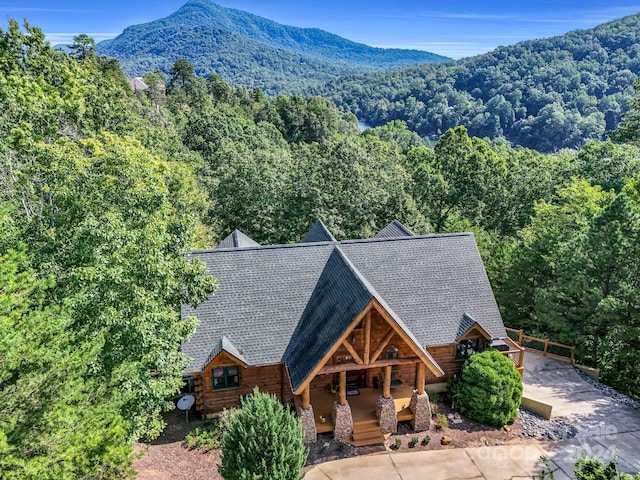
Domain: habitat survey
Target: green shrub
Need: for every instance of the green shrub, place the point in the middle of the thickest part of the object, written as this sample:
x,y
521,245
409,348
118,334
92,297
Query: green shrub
x,y
443,420
589,469
204,438
489,389
263,440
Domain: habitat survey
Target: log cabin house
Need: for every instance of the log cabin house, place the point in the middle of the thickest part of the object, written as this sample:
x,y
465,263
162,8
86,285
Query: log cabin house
x,y
350,332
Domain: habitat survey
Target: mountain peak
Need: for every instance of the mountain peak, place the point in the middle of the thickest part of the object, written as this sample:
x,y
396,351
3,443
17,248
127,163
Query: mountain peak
x,y
249,50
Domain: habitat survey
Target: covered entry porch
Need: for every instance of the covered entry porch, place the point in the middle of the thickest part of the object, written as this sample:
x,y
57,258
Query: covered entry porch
x,y
371,375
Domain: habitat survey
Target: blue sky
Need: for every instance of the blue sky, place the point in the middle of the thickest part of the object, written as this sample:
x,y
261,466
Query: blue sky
x,y
453,28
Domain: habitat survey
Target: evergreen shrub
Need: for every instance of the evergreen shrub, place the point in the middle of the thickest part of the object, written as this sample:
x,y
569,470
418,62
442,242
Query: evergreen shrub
x,y
488,389
263,440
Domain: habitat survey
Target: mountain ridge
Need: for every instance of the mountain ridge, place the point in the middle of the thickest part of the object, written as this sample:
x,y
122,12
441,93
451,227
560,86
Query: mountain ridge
x,y
245,42
546,94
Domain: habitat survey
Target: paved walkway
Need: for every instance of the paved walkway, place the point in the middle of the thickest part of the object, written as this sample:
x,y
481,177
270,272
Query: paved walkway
x,y
605,428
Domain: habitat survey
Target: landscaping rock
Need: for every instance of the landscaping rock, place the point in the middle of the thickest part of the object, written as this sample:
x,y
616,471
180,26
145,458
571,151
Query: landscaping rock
x,y
446,440
535,426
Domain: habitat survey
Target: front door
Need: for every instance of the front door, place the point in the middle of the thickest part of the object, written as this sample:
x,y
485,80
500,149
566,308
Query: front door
x,y
357,378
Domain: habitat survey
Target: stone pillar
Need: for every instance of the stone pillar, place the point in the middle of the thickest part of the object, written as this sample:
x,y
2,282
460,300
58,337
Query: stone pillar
x,y
387,416
421,410
308,424
342,421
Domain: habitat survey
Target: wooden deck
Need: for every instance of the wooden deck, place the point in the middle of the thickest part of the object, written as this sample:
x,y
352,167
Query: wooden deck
x,y
363,406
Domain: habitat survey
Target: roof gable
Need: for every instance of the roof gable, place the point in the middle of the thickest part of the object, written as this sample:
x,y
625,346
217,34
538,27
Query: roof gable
x,y
341,299
237,239
340,295
318,233
225,346
394,229
467,324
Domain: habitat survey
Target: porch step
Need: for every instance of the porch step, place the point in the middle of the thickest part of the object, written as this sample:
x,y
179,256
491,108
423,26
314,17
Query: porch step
x,y
365,422
367,434
361,430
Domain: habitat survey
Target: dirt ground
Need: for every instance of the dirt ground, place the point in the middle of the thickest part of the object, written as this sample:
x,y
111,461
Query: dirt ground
x,y
167,458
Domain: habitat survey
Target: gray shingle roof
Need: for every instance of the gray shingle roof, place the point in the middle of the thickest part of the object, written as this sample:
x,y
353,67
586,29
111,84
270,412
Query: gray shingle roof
x,y
466,323
318,233
237,239
394,229
426,283
224,345
338,298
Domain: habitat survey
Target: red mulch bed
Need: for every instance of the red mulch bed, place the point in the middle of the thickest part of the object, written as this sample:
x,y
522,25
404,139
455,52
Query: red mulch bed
x,y
166,458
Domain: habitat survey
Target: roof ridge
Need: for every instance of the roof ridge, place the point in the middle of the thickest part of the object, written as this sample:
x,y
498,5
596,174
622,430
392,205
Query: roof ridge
x,y
337,242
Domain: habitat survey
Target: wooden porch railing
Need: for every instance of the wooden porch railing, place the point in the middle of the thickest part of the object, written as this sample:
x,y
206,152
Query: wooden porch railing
x,y
545,347
515,354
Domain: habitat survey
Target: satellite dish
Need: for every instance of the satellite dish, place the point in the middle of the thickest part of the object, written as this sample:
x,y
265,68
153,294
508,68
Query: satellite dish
x,y
185,403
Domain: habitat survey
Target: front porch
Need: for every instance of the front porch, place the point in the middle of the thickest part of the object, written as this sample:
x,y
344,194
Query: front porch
x,y
363,406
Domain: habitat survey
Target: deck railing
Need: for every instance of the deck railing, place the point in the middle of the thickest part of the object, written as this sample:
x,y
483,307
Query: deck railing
x,y
515,354
543,346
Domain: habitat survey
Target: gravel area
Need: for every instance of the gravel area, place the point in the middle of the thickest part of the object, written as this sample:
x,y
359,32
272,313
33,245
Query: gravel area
x,y
535,426
609,391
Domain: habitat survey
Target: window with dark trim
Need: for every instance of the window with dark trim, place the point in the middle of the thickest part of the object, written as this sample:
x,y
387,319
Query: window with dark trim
x,y
226,377
391,353
466,348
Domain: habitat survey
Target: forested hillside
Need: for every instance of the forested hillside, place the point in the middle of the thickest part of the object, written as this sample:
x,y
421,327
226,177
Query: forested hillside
x,y
104,193
249,50
544,94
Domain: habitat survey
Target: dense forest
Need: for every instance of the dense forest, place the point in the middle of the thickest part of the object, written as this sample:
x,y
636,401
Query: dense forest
x,y
248,50
104,193
543,94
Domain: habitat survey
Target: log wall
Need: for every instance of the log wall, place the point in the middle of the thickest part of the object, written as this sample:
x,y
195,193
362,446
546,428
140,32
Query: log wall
x,y
445,356
272,379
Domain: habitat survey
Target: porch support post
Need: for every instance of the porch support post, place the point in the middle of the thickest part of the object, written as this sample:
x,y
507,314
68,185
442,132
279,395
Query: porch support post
x,y
307,418
387,415
342,421
421,409
420,379
343,388
386,389
306,398
367,338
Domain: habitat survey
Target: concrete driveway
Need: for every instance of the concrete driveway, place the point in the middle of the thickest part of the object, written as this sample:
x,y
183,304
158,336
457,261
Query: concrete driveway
x,y
606,427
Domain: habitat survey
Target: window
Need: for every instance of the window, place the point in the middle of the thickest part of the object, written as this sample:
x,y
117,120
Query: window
x,y
226,377
391,353
466,348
